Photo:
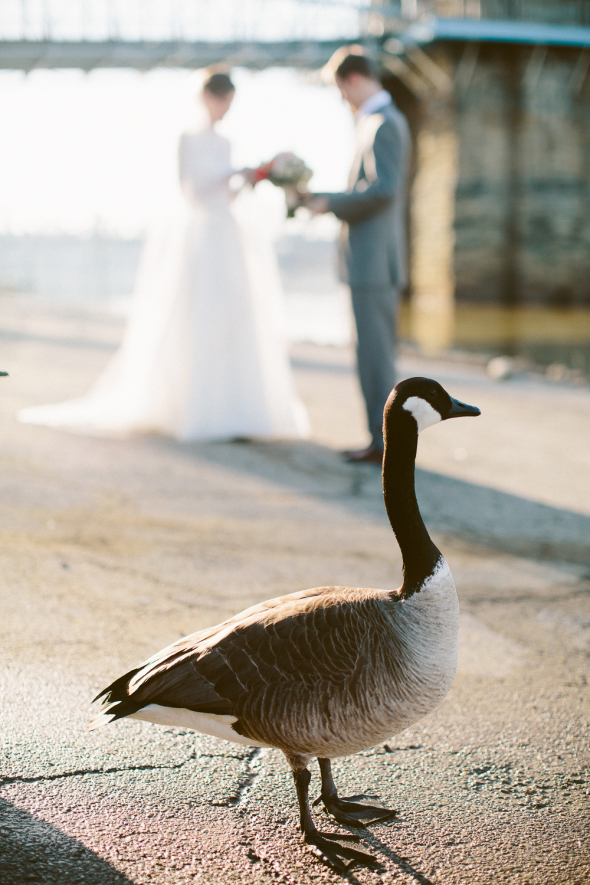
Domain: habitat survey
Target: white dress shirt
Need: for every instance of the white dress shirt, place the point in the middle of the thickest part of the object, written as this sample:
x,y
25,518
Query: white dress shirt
x,y
374,103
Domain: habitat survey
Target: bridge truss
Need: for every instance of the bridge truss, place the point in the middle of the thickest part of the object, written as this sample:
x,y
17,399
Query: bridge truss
x,y
144,34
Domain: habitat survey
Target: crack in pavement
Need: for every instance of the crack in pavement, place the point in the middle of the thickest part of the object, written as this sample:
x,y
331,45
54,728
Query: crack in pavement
x,y
82,771
238,756
257,852
256,772
245,783
232,801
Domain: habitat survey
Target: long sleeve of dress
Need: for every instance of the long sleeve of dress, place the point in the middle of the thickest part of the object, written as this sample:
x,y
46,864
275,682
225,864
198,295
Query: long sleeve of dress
x,y
203,162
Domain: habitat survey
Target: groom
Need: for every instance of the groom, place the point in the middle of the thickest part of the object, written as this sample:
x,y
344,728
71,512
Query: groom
x,y
373,234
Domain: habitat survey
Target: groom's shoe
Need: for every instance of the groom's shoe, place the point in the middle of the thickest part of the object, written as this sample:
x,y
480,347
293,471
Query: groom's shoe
x,y
371,455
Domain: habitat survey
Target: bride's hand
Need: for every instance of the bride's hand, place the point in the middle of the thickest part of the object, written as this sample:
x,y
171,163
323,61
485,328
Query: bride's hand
x,y
249,175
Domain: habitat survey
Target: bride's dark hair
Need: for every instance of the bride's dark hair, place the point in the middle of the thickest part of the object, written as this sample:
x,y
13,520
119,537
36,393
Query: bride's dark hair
x,y
219,85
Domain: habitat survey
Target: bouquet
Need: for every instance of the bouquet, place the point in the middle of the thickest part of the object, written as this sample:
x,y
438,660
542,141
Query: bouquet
x,y
289,172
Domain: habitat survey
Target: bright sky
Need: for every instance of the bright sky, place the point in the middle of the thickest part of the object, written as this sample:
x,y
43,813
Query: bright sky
x,y
84,150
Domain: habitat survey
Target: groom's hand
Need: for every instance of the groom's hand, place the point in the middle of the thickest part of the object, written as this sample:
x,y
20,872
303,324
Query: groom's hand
x,y
317,204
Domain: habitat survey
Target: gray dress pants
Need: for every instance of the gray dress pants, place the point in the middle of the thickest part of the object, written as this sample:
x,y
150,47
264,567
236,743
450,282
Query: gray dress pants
x,y
375,310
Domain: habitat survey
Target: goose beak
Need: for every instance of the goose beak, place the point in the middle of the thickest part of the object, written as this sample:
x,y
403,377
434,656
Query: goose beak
x,y
461,410
3,373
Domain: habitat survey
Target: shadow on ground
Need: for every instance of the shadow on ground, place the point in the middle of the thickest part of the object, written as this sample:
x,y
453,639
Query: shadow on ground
x,y
37,853
450,506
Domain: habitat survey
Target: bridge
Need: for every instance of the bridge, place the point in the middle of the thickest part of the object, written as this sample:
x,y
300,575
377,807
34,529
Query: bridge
x,y
144,34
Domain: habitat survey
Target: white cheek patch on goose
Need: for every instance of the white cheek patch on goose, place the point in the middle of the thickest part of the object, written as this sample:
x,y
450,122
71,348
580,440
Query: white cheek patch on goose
x,y
424,414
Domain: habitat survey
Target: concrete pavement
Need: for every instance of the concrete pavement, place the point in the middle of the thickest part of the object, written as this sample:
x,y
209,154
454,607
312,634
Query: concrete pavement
x,y
113,548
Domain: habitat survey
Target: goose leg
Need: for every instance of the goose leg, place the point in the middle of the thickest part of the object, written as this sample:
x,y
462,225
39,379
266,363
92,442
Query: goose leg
x,y
349,810
326,845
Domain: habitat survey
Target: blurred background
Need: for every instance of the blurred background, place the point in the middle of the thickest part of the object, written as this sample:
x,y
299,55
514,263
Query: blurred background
x,y
94,94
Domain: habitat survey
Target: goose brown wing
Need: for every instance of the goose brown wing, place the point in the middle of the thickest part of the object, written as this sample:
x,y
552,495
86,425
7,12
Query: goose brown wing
x,y
298,640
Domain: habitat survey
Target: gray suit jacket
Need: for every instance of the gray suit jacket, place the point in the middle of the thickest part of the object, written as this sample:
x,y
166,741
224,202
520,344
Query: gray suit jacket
x,y
373,210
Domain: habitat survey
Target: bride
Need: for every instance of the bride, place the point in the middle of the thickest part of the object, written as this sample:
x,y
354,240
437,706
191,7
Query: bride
x,y
204,355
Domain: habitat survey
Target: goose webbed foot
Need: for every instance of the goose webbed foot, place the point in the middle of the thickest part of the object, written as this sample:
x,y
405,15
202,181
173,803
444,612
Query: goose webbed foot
x,y
351,811
327,846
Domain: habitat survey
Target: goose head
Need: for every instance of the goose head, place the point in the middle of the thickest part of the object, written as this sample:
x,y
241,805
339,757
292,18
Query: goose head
x,y
425,402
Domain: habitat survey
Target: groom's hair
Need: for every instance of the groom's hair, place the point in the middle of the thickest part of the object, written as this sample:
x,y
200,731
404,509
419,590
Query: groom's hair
x,y
219,85
357,64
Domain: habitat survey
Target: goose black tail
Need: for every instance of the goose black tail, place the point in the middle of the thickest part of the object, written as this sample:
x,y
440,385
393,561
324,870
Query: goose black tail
x,y
117,690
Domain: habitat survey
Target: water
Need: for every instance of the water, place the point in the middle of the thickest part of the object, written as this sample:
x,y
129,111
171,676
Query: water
x,y
100,270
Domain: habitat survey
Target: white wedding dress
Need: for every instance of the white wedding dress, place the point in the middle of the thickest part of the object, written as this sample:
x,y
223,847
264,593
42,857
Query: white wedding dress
x,y
204,356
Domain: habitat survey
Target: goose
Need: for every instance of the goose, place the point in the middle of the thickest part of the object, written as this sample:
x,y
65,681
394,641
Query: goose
x,y
326,672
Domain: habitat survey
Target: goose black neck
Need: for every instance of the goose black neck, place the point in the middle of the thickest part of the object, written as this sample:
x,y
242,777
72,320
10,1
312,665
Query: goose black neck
x,y
419,553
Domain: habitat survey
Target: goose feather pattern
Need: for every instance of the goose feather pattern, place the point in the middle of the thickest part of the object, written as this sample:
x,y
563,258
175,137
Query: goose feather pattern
x,y
326,672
